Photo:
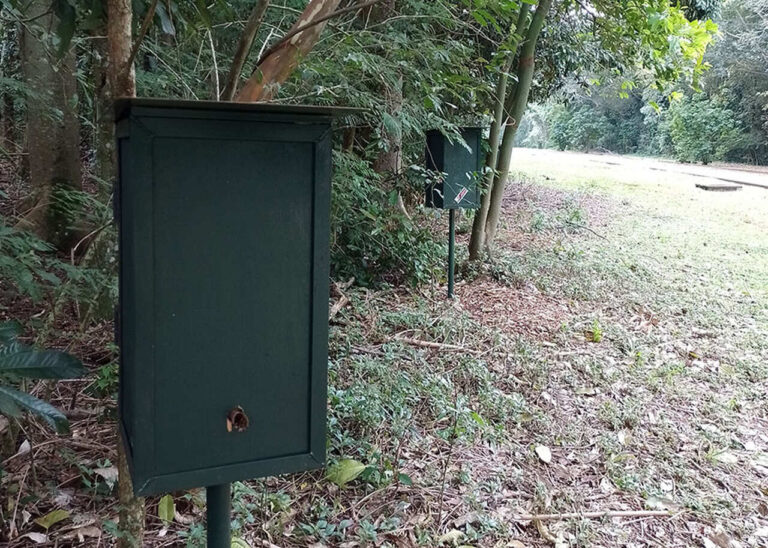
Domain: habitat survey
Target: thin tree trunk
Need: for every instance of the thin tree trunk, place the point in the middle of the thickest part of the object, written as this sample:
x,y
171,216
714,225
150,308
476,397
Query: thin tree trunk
x,y
121,82
477,238
243,48
280,63
389,161
121,73
53,132
525,71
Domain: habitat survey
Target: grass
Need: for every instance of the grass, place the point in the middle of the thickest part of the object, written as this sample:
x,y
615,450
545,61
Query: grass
x,y
658,370
623,325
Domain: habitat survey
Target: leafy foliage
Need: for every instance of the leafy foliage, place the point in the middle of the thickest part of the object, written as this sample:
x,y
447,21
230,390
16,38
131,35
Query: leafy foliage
x,y
701,130
26,262
370,240
19,362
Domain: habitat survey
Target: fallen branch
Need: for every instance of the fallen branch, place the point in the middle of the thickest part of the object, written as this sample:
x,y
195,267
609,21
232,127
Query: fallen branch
x,y
336,308
584,227
343,300
594,515
435,345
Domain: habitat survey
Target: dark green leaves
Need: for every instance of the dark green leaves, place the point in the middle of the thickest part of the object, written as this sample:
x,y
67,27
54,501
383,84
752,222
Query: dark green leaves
x,y
9,331
19,361
41,364
65,28
12,402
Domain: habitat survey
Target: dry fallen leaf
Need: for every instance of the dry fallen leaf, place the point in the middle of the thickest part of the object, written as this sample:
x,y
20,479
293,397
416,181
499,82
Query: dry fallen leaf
x,y
544,453
37,538
82,532
109,474
24,448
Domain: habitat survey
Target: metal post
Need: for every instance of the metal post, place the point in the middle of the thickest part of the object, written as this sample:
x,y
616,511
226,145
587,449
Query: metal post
x,y
218,513
451,253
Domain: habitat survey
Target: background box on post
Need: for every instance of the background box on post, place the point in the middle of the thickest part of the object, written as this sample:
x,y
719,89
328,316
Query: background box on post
x,y
224,235
459,189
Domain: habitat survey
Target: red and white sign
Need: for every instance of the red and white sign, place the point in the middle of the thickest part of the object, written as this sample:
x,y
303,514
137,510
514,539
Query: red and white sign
x,y
460,196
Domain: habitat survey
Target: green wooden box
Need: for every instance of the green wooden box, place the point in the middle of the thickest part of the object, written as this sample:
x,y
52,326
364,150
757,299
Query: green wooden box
x,y
459,187
223,318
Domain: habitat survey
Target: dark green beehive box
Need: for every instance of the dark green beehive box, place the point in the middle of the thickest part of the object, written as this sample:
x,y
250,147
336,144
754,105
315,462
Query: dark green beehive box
x,y
459,188
223,214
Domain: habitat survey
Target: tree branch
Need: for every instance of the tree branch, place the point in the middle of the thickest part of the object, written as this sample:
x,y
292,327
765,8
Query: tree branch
x,y
317,21
142,33
243,48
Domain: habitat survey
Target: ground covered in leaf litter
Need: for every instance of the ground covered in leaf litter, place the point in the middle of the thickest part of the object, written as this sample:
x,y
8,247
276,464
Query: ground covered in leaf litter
x,y
613,358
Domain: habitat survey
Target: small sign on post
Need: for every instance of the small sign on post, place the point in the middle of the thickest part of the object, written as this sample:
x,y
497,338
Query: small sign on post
x,y
458,188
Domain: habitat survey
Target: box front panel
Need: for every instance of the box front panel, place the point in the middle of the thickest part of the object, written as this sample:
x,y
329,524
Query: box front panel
x,y
224,286
461,166
233,251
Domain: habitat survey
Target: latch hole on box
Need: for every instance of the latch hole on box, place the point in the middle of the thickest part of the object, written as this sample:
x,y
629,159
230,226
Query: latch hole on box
x,y
237,420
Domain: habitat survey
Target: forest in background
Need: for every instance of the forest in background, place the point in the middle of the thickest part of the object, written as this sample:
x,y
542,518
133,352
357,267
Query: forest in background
x,y
723,118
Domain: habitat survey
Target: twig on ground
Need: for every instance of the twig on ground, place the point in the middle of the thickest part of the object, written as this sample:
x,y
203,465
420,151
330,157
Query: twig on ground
x,y
584,227
435,345
594,515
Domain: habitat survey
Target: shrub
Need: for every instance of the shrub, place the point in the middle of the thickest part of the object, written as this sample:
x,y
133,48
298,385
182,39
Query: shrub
x,y
701,130
370,239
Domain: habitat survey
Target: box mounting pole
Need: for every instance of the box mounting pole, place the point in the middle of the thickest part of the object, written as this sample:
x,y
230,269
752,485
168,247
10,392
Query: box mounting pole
x,y
218,515
451,251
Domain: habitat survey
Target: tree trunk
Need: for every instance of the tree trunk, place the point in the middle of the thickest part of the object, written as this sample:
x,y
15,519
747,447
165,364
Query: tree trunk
x,y
122,77
280,63
516,109
243,48
477,238
120,82
389,160
53,132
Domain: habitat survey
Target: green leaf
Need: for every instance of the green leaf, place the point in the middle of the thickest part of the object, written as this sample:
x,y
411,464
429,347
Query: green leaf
x,y
166,509
239,543
8,407
391,125
345,471
9,331
44,410
478,419
404,479
52,518
65,29
41,364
